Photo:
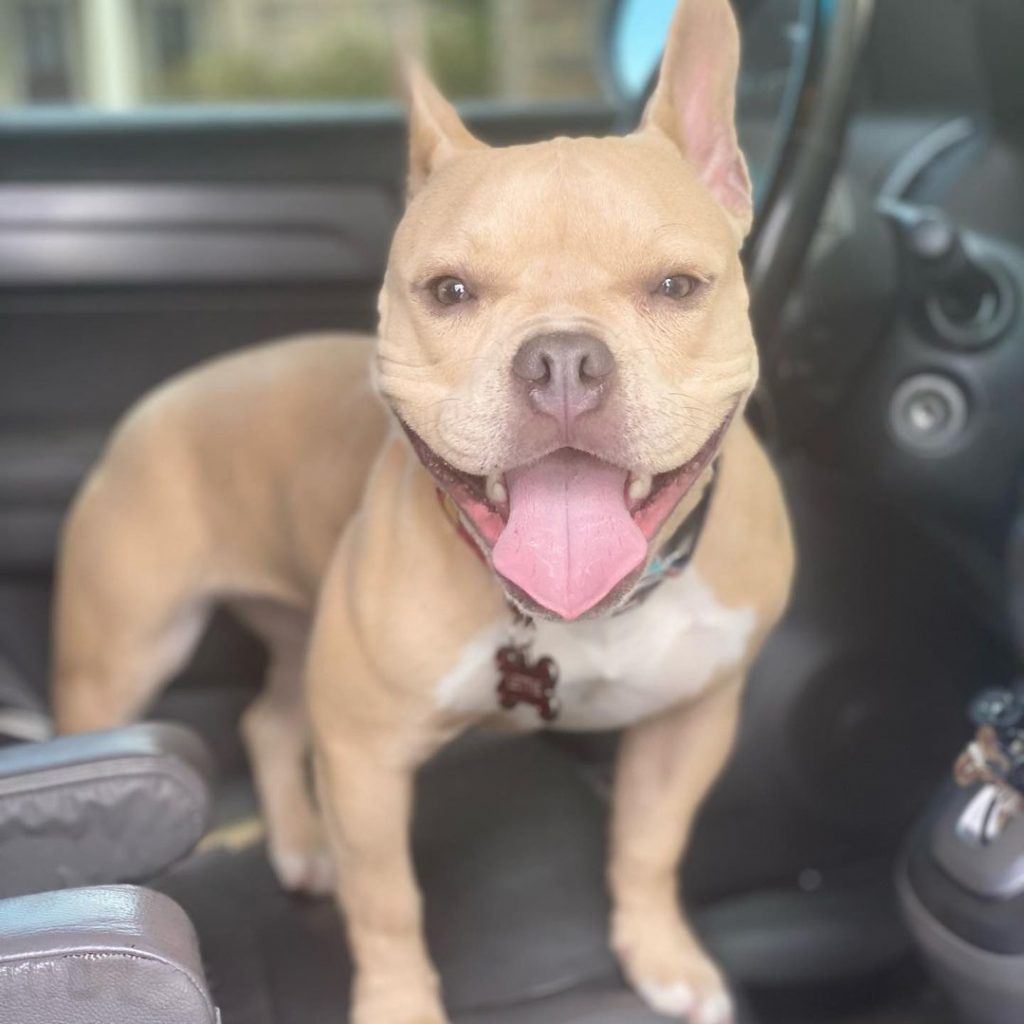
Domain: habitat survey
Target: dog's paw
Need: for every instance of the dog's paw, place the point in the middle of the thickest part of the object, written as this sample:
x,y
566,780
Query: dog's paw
x,y
309,871
680,999
423,1016
669,970
398,1005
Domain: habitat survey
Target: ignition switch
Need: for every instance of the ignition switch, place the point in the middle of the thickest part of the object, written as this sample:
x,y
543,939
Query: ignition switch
x,y
967,302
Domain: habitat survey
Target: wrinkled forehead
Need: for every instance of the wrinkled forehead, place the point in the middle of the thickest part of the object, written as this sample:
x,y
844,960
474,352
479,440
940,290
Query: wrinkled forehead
x,y
613,198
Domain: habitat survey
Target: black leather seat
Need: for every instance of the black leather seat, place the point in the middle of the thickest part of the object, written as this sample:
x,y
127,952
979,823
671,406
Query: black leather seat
x,y
508,839
509,845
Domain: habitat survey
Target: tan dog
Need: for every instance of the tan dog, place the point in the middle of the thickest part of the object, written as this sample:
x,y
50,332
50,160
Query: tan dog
x,y
564,339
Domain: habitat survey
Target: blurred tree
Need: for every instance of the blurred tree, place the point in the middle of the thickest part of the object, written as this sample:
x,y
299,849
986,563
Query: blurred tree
x,y
461,46
353,59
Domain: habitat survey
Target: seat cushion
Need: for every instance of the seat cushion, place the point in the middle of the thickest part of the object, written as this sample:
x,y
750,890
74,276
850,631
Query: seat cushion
x,y
509,844
603,1003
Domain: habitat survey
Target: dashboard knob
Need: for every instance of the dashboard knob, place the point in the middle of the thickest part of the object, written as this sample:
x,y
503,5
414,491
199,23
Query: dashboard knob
x,y
928,414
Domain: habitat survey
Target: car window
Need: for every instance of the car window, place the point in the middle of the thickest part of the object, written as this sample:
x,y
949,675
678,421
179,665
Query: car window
x,y
126,54
637,39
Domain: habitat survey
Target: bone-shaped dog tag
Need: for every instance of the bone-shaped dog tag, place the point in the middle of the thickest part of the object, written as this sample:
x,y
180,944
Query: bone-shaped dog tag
x,y
526,682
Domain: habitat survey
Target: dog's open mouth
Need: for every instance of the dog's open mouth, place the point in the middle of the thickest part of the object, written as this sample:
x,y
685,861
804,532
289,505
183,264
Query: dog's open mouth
x,y
566,530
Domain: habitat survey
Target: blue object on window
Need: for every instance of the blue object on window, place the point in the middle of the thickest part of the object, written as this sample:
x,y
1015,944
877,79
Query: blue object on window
x,y
638,40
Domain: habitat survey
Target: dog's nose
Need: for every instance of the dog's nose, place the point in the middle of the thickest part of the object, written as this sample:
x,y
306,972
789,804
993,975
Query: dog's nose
x,y
565,374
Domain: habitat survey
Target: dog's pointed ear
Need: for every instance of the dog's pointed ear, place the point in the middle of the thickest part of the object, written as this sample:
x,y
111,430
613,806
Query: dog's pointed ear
x,y
694,101
436,132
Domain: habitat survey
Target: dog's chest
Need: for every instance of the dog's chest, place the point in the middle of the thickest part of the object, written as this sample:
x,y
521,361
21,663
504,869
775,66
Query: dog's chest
x,y
615,671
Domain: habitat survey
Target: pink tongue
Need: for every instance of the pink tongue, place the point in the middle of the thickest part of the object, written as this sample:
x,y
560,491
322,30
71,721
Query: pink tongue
x,y
569,538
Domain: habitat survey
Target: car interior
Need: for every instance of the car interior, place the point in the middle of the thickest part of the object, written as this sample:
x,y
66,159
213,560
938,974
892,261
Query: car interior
x,y
834,871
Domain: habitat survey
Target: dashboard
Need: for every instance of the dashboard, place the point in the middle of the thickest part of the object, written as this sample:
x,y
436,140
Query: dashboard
x,y
901,360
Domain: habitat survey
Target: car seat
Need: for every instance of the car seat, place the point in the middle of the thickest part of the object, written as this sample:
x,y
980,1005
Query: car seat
x,y
509,842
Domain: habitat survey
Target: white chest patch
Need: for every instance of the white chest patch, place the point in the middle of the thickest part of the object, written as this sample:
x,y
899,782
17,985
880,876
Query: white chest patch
x,y
615,671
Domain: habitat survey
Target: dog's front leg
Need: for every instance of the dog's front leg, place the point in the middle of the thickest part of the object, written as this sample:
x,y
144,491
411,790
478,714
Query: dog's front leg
x,y
666,765
370,735
365,787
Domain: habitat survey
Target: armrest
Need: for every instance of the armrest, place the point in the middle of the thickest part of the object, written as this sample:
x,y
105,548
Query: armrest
x,y
100,807
117,954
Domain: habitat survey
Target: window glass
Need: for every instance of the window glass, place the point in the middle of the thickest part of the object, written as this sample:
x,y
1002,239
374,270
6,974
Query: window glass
x,y
44,68
122,54
638,39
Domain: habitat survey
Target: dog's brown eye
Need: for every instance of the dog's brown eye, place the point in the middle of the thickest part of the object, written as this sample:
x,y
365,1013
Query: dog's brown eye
x,y
679,286
450,291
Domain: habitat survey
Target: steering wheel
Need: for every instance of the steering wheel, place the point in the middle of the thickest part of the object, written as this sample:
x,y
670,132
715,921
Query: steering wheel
x,y
813,133
811,130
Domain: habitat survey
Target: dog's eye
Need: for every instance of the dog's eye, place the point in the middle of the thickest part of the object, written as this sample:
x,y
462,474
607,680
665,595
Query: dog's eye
x,y
679,286
450,291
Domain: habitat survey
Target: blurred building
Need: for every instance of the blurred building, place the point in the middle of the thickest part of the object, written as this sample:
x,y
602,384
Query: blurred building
x,y
118,54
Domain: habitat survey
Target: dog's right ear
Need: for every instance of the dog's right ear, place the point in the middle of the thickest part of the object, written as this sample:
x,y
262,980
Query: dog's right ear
x,y
436,132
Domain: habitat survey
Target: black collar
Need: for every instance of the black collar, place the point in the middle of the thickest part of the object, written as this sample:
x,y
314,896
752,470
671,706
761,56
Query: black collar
x,y
677,552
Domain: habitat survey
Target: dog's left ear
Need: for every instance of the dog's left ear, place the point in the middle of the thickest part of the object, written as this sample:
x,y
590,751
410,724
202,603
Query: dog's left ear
x,y
694,102
436,132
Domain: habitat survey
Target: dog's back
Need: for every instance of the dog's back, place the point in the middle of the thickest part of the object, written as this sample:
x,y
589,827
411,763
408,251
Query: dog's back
x,y
233,480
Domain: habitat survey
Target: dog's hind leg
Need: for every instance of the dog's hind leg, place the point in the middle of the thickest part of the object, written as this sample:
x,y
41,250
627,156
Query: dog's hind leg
x,y
275,728
128,610
111,679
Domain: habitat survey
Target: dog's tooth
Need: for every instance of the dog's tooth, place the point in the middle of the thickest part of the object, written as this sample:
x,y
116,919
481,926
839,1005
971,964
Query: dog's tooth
x,y
640,487
496,490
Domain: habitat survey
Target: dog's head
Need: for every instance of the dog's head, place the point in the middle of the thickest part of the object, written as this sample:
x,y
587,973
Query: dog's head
x,y
564,329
